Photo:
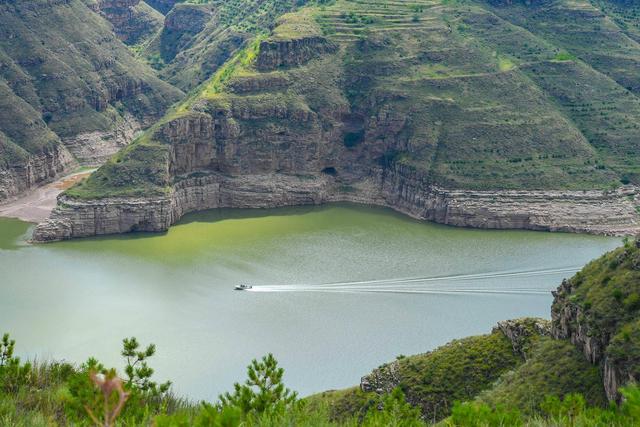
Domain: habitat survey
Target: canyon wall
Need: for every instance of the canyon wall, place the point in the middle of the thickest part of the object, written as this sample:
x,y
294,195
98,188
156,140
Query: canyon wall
x,y
133,20
35,171
294,125
609,213
574,320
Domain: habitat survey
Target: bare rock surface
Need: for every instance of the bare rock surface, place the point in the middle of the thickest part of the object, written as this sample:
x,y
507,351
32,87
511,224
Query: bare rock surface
x,y
94,148
609,213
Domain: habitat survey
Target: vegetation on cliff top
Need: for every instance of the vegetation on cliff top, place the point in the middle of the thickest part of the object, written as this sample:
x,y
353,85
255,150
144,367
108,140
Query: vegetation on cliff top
x,y
189,55
467,94
553,367
59,394
605,297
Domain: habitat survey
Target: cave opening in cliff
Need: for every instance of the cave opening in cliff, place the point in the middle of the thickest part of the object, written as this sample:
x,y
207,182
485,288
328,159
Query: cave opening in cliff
x,y
330,171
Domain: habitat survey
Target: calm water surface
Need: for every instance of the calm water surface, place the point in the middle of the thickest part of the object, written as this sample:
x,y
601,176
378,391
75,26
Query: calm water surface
x,y
337,291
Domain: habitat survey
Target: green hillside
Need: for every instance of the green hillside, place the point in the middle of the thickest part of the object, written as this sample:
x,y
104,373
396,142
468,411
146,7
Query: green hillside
x,y
64,73
200,35
465,94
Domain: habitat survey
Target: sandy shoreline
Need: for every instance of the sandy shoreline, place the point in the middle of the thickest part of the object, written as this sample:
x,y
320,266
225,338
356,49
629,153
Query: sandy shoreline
x,y
37,204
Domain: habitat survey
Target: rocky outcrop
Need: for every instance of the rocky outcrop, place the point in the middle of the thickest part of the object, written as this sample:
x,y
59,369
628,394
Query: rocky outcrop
x,y
262,82
572,321
382,380
276,53
521,331
36,170
132,20
94,148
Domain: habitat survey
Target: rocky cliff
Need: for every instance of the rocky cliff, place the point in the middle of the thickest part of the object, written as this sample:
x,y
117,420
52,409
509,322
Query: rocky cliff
x,y
598,311
182,24
559,211
309,115
34,170
133,20
294,52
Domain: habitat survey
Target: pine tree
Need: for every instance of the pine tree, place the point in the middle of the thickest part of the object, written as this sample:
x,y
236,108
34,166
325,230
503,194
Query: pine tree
x,y
263,391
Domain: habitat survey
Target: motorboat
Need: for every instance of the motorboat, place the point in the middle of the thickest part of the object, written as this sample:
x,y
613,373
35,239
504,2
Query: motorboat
x,y
243,287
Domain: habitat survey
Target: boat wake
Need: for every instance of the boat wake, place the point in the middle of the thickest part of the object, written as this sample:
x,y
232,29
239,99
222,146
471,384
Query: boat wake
x,y
455,284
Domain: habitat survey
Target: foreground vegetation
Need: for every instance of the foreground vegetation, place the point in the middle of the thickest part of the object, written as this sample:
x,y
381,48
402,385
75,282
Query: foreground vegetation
x,y
60,394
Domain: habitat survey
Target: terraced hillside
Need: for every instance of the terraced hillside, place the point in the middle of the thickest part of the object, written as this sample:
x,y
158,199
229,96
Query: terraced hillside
x,y
70,91
462,112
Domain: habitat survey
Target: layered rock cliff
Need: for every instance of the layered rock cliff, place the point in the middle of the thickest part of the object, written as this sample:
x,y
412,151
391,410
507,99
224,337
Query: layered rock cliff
x,y
598,311
295,52
309,116
34,170
563,211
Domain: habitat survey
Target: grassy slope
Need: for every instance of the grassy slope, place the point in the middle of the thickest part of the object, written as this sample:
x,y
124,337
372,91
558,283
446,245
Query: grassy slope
x,y
187,60
484,368
433,381
67,64
607,293
553,368
489,97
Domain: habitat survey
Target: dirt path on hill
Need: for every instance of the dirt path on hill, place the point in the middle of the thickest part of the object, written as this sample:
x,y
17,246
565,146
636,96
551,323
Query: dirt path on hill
x,y
37,204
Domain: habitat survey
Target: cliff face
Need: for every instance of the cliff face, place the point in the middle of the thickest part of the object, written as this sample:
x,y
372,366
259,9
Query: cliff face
x,y
312,115
295,52
564,211
182,24
598,311
133,20
34,170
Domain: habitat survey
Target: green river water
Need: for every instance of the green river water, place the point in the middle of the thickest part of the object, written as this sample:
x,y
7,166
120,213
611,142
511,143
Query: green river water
x,y
338,290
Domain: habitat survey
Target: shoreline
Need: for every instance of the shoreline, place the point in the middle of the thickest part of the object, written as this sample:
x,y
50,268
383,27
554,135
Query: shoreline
x,y
37,204
609,213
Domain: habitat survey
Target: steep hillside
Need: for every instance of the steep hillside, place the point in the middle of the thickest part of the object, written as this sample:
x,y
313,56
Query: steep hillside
x,y
134,21
162,6
516,366
199,36
69,89
465,113
599,311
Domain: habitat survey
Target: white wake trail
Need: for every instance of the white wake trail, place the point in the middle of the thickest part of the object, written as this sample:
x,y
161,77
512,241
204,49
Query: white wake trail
x,y
455,284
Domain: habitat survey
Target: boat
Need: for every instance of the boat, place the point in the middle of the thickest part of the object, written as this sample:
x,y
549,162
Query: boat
x,y
243,287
